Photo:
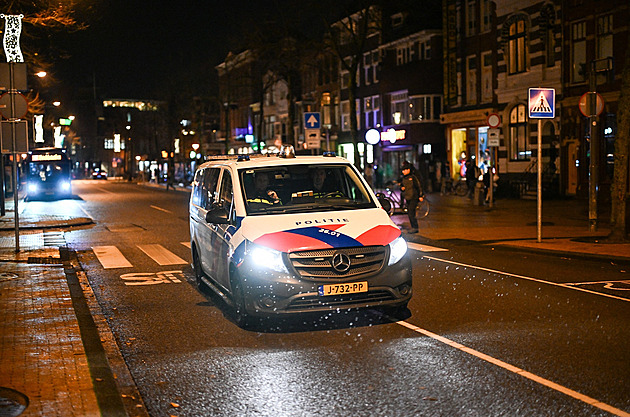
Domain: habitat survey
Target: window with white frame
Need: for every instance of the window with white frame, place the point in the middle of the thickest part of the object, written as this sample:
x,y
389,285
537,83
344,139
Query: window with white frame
x,y
371,111
519,145
425,108
578,52
404,53
471,80
345,79
399,108
486,23
486,77
425,50
345,115
367,68
376,59
471,18
605,36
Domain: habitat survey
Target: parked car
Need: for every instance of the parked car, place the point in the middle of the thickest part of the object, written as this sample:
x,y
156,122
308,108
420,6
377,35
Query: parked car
x,y
277,235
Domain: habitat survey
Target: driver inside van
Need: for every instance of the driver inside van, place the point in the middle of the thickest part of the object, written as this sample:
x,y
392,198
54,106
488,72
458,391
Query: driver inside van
x,y
262,193
322,188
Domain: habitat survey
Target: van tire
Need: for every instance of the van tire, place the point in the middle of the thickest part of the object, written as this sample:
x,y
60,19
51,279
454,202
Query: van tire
x,y
198,270
241,317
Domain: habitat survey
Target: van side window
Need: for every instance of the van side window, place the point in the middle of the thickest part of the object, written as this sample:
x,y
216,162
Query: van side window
x,y
226,196
196,195
209,187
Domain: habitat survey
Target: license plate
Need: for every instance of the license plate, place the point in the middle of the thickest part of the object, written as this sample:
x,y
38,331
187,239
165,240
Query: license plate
x,y
348,288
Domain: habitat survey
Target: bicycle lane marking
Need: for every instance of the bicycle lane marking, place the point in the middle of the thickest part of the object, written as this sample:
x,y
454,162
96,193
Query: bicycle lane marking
x,y
570,286
511,368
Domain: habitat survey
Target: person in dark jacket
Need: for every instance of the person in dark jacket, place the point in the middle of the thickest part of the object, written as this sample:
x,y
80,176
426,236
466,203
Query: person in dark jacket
x,y
412,193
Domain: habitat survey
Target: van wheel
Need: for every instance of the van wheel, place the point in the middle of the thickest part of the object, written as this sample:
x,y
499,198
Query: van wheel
x,y
241,317
198,271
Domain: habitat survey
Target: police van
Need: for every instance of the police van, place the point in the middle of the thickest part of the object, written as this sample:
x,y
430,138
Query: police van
x,y
278,235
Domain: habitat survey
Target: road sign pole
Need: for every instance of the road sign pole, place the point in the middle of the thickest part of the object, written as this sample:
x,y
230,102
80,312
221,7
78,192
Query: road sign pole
x,y
16,212
539,183
593,165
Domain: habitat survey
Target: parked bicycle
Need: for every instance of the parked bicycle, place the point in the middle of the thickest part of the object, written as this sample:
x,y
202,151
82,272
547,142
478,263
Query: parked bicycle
x,y
457,187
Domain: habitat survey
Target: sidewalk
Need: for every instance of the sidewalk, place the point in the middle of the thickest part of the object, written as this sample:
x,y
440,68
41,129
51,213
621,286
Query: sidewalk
x,y
48,358
511,222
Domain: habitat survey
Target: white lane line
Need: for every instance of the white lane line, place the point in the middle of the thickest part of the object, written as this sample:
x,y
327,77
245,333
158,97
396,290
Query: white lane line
x,y
84,211
110,257
161,255
556,284
594,282
425,248
187,244
519,371
104,190
161,209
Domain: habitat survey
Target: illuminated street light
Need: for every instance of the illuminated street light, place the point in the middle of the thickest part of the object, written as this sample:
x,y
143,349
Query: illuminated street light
x,y
56,103
41,74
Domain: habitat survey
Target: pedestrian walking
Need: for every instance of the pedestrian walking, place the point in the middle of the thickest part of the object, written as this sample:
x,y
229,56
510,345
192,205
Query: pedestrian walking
x,y
412,193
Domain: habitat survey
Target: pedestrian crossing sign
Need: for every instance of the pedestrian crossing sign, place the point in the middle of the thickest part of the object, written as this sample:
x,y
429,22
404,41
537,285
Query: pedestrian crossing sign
x,y
542,103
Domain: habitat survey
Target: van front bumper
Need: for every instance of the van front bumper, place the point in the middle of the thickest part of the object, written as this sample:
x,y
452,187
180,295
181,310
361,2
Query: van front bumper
x,y
270,293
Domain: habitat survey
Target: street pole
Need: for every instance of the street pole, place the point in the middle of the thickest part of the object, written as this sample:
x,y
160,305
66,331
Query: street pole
x,y
593,163
539,184
16,212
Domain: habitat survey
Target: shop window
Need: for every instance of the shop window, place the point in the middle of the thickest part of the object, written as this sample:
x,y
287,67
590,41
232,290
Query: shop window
x,y
519,144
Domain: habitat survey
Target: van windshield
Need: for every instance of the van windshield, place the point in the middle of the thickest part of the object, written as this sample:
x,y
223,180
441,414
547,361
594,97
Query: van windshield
x,y
303,188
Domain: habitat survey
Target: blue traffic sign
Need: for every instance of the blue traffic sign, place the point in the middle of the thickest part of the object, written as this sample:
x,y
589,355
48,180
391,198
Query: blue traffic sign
x,y
312,120
542,103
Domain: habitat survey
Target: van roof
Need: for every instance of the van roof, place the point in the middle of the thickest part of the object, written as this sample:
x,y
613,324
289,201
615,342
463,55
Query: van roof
x,y
273,160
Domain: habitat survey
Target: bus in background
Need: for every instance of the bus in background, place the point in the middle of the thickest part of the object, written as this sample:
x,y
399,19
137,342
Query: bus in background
x,y
48,173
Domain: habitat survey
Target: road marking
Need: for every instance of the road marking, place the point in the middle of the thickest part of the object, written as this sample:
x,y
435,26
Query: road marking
x,y
187,244
494,271
518,371
152,278
110,257
105,191
161,209
161,255
84,211
425,248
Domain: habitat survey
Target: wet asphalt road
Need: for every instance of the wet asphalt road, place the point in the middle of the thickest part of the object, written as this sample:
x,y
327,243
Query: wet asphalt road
x,y
487,332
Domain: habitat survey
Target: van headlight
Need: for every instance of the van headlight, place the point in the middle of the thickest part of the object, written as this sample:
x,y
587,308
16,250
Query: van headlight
x,y
267,258
397,249
64,186
32,187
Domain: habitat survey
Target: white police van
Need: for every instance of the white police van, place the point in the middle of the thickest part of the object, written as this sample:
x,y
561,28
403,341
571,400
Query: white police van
x,y
276,235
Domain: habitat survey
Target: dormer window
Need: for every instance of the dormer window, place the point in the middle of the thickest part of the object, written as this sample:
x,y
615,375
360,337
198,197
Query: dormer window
x,y
397,20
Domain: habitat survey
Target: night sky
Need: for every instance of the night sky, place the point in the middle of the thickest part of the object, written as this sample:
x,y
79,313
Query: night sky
x,y
139,49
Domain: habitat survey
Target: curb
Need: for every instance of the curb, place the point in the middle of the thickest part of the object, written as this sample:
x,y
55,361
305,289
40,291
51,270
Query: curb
x,y
47,224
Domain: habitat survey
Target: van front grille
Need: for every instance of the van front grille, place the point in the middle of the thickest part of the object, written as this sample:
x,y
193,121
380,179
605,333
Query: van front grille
x,y
317,265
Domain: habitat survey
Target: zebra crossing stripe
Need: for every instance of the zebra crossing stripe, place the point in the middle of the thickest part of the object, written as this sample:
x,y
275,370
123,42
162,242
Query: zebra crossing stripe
x,y
110,257
161,255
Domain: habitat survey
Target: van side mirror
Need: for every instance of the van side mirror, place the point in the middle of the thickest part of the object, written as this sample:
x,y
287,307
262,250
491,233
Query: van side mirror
x,y
217,215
